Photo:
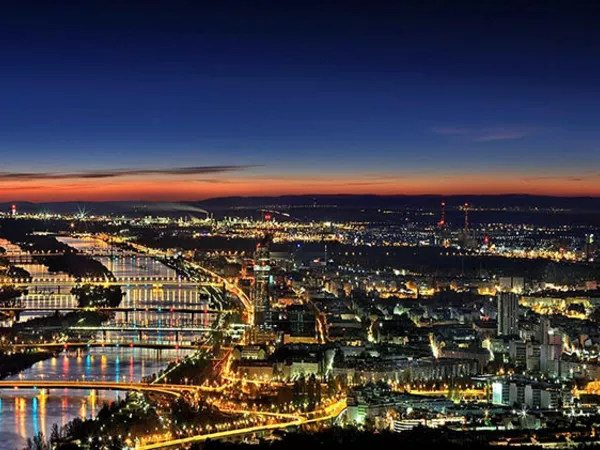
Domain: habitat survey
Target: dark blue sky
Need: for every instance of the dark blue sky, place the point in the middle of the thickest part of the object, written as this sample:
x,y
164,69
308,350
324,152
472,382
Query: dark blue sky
x,y
315,96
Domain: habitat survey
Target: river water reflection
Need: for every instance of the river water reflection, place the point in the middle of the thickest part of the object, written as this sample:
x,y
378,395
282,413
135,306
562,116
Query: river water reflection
x,y
26,412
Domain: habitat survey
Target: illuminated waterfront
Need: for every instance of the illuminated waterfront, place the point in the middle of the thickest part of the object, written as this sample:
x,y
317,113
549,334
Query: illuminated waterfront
x,y
23,413
57,296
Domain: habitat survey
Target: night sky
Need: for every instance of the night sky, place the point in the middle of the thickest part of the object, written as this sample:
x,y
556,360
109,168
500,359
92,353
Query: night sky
x,y
179,101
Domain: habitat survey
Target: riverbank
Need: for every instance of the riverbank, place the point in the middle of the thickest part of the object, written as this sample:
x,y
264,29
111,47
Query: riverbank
x,y
14,363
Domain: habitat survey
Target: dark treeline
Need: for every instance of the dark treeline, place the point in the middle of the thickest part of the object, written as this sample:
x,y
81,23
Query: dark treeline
x,y
98,296
343,439
70,262
13,363
78,266
57,320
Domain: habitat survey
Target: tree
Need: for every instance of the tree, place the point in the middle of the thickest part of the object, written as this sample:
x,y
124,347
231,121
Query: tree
x,y
55,434
38,442
595,315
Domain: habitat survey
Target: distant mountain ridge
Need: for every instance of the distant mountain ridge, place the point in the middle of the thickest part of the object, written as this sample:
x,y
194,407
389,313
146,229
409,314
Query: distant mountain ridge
x,y
588,204
411,201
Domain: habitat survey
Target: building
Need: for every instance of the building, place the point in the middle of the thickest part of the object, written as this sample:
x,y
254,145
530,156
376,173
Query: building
x,y
246,352
262,276
431,369
508,314
255,370
373,401
512,284
526,392
517,351
296,321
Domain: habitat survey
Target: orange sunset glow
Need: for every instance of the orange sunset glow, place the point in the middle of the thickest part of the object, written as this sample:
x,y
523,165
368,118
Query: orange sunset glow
x,y
190,188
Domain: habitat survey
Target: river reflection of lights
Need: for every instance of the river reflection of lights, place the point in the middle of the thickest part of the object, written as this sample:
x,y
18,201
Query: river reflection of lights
x,y
63,405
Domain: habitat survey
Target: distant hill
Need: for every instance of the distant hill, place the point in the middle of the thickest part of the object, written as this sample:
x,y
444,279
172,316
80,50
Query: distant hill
x,y
406,201
427,202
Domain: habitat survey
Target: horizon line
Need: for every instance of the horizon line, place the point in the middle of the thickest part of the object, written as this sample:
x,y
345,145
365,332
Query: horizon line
x,y
309,195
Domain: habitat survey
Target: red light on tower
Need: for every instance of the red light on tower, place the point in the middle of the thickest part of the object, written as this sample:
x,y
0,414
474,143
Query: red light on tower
x,y
442,221
14,210
267,217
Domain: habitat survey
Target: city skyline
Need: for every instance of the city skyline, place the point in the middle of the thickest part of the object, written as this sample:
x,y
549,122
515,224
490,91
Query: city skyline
x,y
285,225
311,99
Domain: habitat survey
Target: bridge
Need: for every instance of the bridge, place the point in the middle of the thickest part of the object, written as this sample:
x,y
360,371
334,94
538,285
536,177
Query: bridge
x,y
111,344
171,389
330,412
115,344
113,281
156,309
155,328
28,256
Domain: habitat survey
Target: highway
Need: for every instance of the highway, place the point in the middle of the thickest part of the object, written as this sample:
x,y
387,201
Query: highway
x,y
291,420
234,289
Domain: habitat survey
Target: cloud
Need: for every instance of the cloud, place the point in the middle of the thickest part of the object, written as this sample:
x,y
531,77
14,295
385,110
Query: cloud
x,y
501,136
450,130
116,173
485,134
563,178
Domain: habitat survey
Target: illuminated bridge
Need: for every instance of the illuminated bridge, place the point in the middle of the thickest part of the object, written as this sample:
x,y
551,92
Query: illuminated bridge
x,y
115,281
154,328
155,309
24,256
112,344
171,389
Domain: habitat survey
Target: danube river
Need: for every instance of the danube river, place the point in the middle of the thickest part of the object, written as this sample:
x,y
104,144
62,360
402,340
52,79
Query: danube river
x,y
24,413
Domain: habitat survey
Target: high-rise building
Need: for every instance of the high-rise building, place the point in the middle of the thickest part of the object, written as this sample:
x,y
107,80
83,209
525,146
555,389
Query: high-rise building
x,y
262,277
508,314
512,284
589,247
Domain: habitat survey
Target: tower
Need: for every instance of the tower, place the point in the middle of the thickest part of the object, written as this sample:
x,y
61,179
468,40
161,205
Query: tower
x,y
508,314
442,221
589,247
466,239
443,234
262,275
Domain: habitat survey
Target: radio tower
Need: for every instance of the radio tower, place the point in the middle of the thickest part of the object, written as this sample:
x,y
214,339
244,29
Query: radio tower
x,y
442,221
443,237
466,218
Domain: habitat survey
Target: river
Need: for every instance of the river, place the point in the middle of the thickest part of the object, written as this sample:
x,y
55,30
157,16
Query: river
x,y
24,413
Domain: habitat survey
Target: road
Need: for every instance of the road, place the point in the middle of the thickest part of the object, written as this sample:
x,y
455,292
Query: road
x,y
292,420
